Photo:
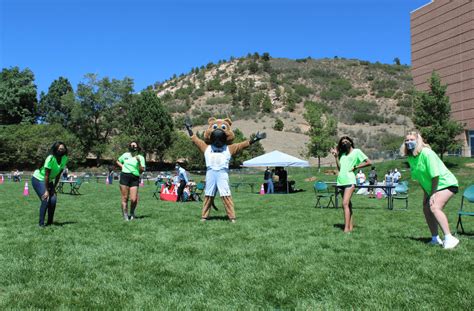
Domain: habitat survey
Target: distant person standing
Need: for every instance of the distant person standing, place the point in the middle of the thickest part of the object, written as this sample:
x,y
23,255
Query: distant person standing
x,y
360,178
396,176
110,175
388,178
372,181
348,160
46,178
182,182
268,177
438,184
132,165
65,174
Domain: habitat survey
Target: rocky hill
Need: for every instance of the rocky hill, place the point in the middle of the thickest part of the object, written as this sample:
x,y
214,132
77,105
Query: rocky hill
x,y
371,102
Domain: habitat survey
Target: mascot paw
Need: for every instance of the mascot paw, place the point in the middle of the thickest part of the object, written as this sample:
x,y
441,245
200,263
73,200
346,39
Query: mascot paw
x,y
188,125
258,136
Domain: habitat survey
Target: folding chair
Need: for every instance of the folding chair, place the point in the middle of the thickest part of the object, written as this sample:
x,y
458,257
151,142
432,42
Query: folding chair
x,y
322,191
469,196
75,187
401,193
198,191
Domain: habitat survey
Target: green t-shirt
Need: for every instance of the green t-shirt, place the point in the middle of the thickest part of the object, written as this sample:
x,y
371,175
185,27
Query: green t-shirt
x,y
347,162
427,165
52,164
130,163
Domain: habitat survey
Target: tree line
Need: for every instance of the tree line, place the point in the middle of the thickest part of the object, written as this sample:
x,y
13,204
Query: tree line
x,y
96,121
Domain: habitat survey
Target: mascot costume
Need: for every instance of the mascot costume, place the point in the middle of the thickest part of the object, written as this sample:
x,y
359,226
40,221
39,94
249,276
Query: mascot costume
x,y
218,150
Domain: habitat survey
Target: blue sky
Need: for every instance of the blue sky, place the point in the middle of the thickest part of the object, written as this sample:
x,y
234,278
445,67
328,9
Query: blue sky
x,y
149,40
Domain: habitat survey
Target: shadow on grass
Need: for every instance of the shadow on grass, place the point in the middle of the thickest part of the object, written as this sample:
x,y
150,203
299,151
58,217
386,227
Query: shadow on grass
x,y
218,218
423,240
142,216
64,223
341,226
466,234
451,165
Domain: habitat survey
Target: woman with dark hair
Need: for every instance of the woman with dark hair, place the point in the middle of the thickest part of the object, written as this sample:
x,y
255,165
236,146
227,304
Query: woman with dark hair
x,y
348,160
438,185
132,165
43,178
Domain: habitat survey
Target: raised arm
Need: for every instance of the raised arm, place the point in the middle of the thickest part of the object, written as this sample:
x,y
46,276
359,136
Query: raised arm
x,y
236,148
196,140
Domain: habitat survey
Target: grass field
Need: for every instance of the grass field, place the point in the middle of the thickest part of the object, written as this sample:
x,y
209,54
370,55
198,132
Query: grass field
x,y
281,254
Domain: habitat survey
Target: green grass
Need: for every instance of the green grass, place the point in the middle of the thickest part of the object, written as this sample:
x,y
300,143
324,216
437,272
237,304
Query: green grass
x,y
281,254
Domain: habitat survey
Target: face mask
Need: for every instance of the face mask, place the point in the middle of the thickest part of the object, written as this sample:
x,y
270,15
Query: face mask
x,y
132,149
61,153
411,145
345,147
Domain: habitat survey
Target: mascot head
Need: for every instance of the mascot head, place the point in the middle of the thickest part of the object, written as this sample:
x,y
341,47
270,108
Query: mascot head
x,y
219,132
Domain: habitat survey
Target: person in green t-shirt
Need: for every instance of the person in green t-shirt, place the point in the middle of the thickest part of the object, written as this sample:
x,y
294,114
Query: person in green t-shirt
x,y
348,160
132,165
42,180
438,185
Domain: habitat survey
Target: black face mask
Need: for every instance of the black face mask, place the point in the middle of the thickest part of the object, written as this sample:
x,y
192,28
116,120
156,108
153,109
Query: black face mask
x,y
132,149
218,138
345,147
60,153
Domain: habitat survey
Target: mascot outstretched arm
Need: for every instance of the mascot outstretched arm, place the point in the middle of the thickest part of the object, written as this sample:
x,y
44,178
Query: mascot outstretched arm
x,y
218,150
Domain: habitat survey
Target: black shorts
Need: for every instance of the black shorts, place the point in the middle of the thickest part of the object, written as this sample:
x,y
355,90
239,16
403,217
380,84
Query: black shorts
x,y
453,189
129,180
372,182
342,189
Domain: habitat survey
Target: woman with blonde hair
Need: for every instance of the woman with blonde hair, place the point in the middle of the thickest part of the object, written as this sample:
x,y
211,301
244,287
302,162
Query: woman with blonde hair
x,y
438,184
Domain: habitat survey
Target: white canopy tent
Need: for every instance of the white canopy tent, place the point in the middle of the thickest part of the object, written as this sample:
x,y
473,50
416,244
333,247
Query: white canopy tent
x,y
276,158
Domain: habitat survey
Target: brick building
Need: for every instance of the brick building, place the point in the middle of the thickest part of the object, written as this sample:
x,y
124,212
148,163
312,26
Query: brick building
x,y
442,39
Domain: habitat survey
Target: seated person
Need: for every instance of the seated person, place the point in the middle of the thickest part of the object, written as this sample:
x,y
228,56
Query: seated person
x,y
168,185
16,176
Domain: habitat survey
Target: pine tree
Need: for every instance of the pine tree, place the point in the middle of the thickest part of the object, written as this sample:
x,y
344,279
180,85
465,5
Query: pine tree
x,y
432,118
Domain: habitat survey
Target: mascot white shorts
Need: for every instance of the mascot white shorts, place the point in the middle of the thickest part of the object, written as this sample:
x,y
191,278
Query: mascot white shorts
x,y
217,180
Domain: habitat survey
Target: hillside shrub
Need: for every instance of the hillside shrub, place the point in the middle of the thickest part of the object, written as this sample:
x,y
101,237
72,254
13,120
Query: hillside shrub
x,y
384,88
336,90
221,100
302,90
278,126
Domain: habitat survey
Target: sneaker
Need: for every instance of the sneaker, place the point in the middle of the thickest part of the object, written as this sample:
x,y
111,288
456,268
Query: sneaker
x,y
132,217
438,241
451,243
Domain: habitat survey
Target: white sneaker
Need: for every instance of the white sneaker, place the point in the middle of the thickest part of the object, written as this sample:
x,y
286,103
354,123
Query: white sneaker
x,y
438,241
450,243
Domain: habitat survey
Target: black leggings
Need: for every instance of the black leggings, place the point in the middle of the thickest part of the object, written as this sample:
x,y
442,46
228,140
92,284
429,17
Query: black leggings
x,y
182,184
